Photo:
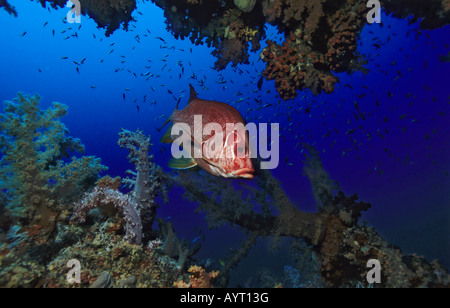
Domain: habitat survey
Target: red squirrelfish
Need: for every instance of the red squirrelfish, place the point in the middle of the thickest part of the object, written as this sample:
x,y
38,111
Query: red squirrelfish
x,y
232,158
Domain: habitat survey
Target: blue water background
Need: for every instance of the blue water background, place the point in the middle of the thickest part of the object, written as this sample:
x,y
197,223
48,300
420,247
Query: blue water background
x,y
404,174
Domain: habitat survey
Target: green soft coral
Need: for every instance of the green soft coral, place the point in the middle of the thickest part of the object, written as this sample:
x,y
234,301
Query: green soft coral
x,y
36,172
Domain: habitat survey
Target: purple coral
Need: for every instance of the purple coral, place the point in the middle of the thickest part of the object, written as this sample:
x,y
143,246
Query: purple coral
x,y
123,203
147,181
138,207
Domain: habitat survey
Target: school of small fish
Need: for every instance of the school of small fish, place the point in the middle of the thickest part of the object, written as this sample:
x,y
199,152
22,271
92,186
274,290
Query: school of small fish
x,y
363,105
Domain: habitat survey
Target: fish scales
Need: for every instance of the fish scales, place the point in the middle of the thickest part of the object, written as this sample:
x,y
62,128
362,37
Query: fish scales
x,y
216,112
232,160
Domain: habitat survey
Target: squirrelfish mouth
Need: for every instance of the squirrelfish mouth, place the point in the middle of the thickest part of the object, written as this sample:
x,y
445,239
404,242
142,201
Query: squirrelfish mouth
x,y
246,173
214,164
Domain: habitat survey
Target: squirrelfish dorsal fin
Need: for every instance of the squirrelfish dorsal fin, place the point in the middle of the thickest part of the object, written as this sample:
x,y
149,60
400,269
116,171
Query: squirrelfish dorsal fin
x,y
192,95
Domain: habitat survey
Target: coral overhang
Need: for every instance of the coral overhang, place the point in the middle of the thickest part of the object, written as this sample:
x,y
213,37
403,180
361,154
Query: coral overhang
x,y
320,36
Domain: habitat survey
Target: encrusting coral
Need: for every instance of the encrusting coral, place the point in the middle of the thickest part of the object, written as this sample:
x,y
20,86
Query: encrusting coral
x,y
199,278
108,261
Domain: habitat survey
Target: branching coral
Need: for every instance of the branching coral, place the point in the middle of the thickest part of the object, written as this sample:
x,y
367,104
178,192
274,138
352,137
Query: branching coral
x,y
39,179
147,183
111,259
138,208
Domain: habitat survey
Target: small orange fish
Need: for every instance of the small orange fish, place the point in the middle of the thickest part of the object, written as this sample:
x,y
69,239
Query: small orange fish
x,y
232,158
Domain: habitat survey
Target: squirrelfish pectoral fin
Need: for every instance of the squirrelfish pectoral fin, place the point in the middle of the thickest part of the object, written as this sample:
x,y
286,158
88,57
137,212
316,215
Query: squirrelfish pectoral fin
x,y
182,163
167,137
194,169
